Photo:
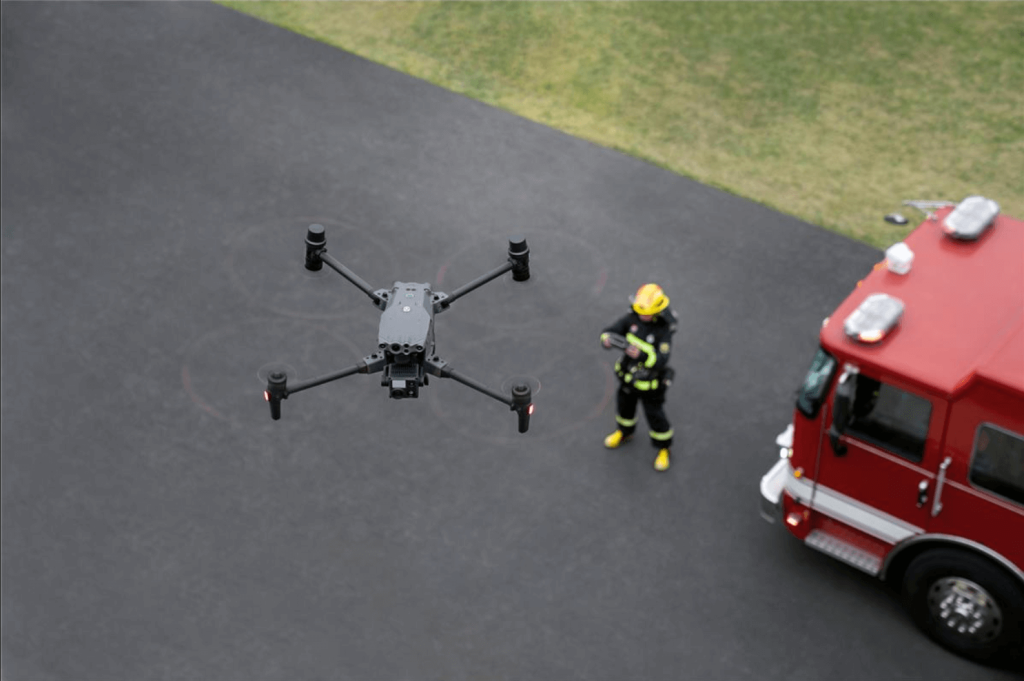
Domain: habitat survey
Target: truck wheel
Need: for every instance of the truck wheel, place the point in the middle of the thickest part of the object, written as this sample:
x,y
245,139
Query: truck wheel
x,y
966,604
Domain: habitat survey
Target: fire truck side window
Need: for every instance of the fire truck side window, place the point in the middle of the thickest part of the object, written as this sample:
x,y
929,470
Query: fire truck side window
x,y
815,384
890,418
998,463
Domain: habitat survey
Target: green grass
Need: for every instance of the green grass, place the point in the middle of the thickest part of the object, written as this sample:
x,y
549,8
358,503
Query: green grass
x,y
830,111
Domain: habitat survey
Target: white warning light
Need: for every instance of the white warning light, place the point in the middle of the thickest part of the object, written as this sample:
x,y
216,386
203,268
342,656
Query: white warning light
x,y
899,258
874,318
970,218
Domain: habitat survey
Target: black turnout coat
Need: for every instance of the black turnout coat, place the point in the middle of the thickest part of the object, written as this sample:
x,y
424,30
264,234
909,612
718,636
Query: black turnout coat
x,y
650,370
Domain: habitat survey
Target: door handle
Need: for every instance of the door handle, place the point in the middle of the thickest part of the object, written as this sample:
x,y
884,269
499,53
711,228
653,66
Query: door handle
x,y
940,480
922,493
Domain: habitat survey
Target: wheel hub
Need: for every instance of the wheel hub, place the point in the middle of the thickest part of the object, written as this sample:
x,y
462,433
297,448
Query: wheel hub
x,y
965,608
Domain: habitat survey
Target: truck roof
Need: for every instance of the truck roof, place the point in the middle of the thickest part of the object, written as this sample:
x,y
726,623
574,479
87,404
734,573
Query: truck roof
x,y
963,311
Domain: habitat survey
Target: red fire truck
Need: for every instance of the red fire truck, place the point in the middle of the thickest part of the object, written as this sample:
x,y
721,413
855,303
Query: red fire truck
x,y
905,457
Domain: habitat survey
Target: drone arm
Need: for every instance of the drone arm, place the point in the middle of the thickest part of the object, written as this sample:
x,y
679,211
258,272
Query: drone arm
x,y
520,401
278,388
326,378
316,256
518,263
475,284
336,265
442,369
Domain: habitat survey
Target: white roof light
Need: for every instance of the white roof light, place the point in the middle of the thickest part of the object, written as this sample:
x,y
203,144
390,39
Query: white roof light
x,y
971,218
874,318
898,258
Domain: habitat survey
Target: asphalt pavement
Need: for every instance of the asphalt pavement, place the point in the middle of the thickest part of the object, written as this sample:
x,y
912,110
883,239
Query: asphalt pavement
x,y
161,163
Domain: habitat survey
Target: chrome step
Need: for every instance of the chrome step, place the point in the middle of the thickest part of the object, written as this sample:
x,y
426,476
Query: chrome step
x,y
844,551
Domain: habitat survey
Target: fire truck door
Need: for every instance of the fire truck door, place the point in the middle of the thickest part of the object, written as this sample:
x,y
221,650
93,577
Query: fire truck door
x,y
877,470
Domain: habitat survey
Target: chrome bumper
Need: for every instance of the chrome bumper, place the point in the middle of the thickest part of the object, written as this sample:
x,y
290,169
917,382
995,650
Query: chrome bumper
x,y
771,490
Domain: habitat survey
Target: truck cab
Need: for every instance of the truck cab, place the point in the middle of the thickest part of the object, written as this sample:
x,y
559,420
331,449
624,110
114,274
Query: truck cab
x,y
905,456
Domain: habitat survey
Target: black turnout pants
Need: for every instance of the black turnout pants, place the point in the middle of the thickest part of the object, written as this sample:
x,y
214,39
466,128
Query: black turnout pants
x,y
653,402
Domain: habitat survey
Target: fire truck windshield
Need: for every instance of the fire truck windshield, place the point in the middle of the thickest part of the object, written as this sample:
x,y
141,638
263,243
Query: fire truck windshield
x,y
816,382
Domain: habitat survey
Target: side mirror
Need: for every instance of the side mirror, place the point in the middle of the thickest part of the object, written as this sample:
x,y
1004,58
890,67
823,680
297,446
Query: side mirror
x,y
841,411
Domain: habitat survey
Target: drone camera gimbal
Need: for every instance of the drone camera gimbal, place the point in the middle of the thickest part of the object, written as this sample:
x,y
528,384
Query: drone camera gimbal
x,y
405,341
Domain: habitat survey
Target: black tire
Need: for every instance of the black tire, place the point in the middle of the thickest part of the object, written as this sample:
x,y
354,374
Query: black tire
x,y
993,602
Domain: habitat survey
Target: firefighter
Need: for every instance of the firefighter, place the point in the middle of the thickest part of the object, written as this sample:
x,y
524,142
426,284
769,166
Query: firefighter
x,y
643,370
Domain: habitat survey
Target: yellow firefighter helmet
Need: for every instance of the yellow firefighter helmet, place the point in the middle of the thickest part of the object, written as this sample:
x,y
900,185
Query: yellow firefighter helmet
x,y
649,300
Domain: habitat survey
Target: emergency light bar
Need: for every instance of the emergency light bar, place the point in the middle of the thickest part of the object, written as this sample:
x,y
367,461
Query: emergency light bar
x,y
874,318
971,218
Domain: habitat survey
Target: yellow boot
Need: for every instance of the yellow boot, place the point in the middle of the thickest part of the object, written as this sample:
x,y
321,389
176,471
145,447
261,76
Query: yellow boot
x,y
663,461
616,439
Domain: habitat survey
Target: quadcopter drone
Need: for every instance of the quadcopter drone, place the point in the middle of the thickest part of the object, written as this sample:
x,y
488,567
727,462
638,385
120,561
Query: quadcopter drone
x,y
405,344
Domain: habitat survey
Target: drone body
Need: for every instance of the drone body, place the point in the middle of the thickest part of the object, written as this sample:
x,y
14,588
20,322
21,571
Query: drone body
x,y
406,337
405,340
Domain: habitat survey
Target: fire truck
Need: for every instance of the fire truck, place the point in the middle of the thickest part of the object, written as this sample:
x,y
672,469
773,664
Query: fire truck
x,y
905,456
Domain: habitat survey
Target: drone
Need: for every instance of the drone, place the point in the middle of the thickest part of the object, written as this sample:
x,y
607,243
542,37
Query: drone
x,y
405,343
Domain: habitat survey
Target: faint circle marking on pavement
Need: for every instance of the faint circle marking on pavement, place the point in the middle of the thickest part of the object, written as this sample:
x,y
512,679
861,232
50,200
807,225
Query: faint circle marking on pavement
x,y
220,366
266,265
